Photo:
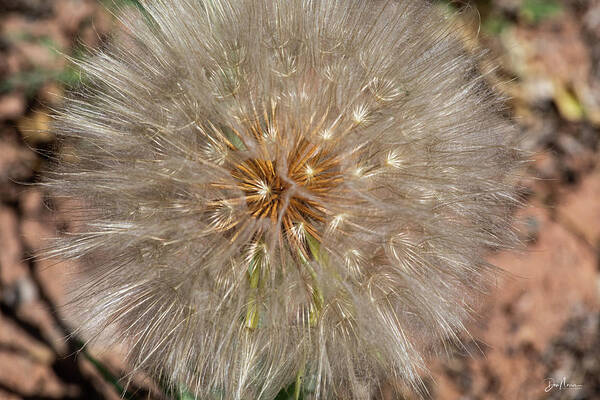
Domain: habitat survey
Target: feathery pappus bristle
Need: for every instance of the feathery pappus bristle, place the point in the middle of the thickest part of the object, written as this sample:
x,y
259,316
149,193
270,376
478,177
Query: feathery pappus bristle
x,y
278,191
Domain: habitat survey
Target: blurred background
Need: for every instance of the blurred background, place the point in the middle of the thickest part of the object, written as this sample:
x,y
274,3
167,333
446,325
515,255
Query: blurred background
x,y
538,336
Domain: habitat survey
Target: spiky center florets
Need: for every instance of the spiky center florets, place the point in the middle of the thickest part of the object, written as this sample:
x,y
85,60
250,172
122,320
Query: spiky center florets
x,y
290,191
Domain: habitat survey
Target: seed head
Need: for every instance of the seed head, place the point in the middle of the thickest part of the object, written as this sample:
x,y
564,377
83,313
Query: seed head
x,y
284,190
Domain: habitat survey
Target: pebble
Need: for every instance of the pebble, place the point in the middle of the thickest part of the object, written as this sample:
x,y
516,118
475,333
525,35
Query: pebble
x,y
22,292
12,106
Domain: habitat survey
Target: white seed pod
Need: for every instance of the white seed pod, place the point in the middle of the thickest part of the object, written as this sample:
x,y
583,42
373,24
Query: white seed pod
x,y
277,189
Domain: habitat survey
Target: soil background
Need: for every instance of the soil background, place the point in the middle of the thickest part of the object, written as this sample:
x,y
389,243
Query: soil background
x,y
538,334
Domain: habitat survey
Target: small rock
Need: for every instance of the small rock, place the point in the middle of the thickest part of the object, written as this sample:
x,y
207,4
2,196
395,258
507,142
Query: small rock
x,y
591,19
14,62
29,378
11,252
12,106
31,202
50,94
570,145
17,162
71,13
530,230
20,293
581,209
35,234
546,166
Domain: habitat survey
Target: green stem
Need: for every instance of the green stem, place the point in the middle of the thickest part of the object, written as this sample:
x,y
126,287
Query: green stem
x,y
317,296
254,270
298,385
